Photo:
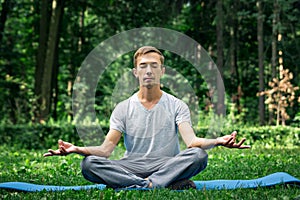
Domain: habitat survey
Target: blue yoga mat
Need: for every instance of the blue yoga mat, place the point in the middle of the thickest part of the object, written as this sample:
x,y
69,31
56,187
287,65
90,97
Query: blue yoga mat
x,y
266,181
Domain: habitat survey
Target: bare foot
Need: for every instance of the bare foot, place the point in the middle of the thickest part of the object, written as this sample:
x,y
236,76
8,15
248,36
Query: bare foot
x,y
150,183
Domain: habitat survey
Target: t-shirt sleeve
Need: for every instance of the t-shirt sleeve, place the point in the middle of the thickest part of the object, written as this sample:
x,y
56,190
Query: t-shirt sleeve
x,y
183,113
117,118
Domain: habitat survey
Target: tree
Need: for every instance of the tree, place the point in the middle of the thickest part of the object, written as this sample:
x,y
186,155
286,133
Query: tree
x,y
219,9
275,24
45,14
48,57
28,49
3,17
235,86
260,23
281,95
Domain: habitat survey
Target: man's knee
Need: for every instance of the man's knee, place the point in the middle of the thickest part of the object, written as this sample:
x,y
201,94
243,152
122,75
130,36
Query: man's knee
x,y
89,167
200,157
86,163
89,163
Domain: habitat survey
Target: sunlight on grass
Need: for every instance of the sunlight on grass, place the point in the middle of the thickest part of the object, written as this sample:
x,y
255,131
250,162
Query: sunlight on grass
x,y
29,166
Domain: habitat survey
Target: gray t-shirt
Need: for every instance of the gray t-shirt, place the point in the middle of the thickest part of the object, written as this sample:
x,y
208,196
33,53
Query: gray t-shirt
x,y
151,133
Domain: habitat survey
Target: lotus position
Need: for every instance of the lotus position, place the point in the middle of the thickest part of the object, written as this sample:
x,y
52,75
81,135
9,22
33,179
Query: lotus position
x,y
149,121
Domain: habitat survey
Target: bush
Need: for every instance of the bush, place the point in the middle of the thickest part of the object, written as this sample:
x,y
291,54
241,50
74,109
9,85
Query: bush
x,y
268,136
46,136
36,136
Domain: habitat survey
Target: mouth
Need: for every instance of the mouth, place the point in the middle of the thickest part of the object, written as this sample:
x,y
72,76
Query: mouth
x,y
148,79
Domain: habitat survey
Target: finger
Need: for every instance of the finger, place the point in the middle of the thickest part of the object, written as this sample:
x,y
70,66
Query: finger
x,y
232,144
58,152
60,142
245,147
51,153
47,154
228,141
234,133
62,149
241,146
241,142
233,140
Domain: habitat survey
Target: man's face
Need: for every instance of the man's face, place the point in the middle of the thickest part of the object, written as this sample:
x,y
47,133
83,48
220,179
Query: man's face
x,y
149,70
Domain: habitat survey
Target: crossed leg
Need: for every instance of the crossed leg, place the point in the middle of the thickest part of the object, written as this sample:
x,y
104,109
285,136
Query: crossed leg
x,y
144,172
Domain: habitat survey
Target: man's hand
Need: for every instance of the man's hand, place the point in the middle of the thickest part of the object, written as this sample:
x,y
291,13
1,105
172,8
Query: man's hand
x,y
229,141
64,148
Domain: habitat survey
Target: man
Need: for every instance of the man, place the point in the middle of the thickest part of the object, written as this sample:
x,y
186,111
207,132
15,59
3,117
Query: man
x,y
149,121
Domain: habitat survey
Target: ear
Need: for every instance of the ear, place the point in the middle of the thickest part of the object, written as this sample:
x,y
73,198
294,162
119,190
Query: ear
x,y
134,72
163,70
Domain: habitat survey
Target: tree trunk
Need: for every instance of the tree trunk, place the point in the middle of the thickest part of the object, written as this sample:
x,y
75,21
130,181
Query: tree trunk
x,y
49,68
221,95
233,55
45,14
3,17
260,22
54,81
274,47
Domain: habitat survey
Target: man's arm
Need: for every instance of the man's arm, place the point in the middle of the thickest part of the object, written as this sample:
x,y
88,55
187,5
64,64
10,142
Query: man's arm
x,y
107,147
191,140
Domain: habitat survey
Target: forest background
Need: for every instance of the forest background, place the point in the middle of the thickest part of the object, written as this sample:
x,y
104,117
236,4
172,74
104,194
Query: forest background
x,y
255,44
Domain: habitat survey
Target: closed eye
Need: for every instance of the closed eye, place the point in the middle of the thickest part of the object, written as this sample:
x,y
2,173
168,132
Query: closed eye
x,y
152,65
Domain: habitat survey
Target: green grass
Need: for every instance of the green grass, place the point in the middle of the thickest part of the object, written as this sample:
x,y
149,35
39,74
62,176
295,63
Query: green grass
x,y
30,166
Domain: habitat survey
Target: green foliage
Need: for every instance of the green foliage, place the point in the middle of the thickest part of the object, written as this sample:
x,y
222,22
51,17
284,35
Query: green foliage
x,y
296,121
17,61
37,136
267,136
46,136
271,136
87,23
16,109
212,126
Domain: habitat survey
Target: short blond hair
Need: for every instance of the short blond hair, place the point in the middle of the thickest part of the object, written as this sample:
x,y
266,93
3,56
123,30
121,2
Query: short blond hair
x,y
144,50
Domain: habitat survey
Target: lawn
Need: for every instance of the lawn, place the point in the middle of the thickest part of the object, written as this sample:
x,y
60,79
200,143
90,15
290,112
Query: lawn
x,y
30,166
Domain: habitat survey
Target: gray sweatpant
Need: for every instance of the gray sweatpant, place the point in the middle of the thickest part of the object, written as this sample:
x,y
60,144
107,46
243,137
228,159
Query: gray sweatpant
x,y
131,172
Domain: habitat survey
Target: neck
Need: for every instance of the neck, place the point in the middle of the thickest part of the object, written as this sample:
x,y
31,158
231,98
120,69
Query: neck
x,y
149,95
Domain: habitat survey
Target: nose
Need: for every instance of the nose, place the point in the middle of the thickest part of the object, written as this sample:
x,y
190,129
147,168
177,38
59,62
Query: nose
x,y
148,70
